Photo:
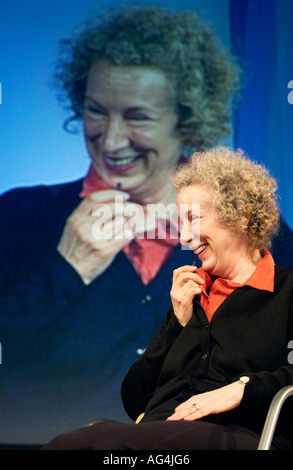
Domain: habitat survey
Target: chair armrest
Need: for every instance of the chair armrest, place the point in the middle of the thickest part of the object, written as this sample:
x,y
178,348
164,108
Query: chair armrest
x,y
273,416
100,421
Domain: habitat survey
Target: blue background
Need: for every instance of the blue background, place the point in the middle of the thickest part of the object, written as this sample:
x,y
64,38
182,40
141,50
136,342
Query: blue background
x,y
35,148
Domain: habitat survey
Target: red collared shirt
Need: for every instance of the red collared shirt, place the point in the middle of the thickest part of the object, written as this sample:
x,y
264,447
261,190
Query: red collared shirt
x,y
215,292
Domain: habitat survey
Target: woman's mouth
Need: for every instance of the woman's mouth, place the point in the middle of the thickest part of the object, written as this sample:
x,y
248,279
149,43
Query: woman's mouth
x,y
122,163
200,249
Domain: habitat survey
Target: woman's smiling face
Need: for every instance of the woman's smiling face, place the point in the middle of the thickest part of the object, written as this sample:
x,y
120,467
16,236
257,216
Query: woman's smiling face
x,y
130,127
216,245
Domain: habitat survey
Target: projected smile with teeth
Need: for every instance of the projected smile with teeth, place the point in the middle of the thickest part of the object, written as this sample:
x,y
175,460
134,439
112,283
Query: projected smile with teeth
x,y
130,128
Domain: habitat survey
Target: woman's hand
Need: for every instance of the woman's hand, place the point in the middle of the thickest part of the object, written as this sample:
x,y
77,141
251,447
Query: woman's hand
x,y
95,232
186,285
217,401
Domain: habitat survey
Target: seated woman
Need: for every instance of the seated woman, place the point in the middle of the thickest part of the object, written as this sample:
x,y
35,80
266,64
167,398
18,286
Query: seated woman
x,y
209,374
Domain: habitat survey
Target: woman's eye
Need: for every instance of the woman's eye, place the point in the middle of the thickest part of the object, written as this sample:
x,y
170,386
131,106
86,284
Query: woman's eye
x,y
137,117
193,218
93,109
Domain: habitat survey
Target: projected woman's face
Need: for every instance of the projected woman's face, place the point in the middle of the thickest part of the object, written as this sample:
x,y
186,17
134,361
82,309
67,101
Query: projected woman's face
x,y
130,127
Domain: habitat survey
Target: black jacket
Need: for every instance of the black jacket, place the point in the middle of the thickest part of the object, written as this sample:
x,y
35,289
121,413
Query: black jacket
x,y
248,335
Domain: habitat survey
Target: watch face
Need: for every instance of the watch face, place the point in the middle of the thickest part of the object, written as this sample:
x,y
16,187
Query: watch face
x,y
244,379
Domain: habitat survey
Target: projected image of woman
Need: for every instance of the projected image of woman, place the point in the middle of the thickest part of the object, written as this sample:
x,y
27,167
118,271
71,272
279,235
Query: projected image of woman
x,y
146,85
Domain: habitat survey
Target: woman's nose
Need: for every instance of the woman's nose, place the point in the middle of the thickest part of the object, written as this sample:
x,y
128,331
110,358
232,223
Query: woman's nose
x,y
115,135
185,235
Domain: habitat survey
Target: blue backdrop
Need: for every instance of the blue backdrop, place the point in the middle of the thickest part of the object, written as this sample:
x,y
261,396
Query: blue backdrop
x,y
35,148
261,33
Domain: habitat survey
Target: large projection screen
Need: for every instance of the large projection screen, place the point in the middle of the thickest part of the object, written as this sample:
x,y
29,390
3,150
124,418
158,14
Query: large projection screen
x,y
66,345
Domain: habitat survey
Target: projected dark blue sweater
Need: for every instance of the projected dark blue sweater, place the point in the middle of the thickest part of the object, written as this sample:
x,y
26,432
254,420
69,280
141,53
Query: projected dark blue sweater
x,y
66,346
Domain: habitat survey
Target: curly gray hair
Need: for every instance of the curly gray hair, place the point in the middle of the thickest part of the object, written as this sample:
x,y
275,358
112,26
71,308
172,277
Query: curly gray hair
x,y
241,190
205,77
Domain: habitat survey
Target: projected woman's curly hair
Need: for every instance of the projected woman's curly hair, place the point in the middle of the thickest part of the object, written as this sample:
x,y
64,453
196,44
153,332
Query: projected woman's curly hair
x,y
204,76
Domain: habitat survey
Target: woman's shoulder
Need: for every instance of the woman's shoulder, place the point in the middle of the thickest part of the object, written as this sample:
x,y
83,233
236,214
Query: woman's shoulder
x,y
40,197
284,276
41,189
282,246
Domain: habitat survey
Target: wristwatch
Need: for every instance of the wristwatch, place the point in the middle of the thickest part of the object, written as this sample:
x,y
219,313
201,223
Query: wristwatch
x,y
243,380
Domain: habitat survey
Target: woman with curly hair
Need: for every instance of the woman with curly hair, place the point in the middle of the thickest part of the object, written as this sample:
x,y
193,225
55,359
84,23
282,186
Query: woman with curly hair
x,y
203,77
242,192
146,84
149,84
208,376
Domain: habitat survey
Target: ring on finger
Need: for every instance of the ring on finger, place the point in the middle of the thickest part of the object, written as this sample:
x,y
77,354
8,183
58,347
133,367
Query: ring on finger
x,y
194,406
